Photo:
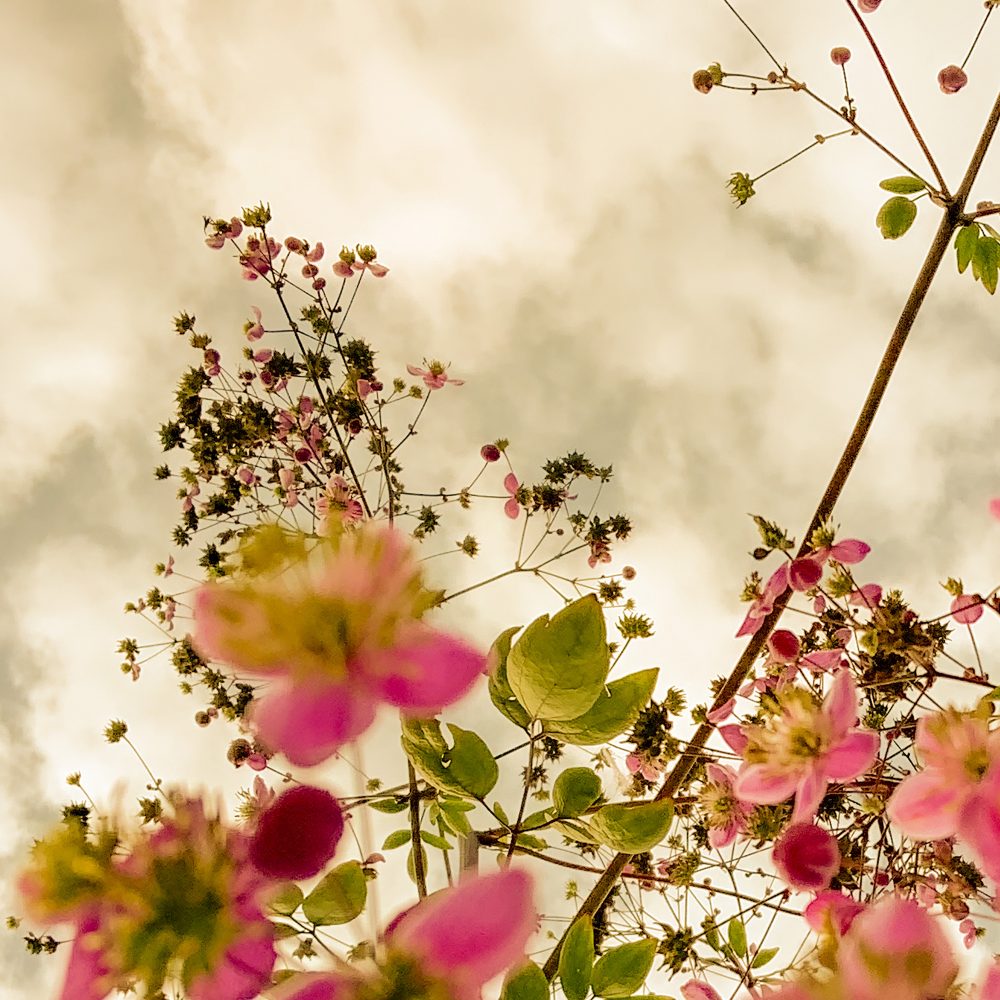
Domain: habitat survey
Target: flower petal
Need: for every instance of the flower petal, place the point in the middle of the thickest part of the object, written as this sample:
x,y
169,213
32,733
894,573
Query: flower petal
x,y
851,756
297,834
86,967
924,806
809,794
841,704
765,784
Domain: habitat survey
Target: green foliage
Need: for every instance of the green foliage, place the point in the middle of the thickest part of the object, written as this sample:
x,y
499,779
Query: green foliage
x,y
621,971
396,839
616,709
633,828
288,900
575,790
500,691
985,259
965,245
576,960
895,217
903,185
763,957
466,769
557,667
339,897
737,935
527,982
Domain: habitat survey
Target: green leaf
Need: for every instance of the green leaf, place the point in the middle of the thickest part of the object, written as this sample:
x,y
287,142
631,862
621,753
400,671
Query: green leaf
x,y
575,790
396,839
616,709
737,935
435,841
410,868
282,931
763,957
895,217
525,983
965,245
536,819
339,897
558,666
576,960
621,971
288,900
467,768
985,261
633,829
902,185
535,843
500,691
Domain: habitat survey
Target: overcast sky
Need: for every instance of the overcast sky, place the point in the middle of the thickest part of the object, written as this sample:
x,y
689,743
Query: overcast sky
x,y
548,190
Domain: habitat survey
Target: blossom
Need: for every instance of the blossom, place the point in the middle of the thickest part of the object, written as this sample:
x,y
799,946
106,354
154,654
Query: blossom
x,y
805,746
725,815
783,645
257,256
806,857
447,946
335,633
254,330
645,765
224,231
337,497
867,596
832,912
599,552
952,79
511,508
434,375
895,948
967,608
185,903
297,834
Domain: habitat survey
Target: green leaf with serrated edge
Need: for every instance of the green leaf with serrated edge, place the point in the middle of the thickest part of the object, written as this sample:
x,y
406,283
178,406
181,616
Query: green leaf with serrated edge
x,y
396,839
500,692
902,185
622,970
895,217
574,791
467,768
288,900
985,262
435,841
615,710
633,829
763,957
737,935
557,667
527,982
339,897
576,960
965,245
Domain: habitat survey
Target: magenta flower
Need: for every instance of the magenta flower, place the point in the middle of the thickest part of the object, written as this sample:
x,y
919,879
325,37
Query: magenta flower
x,y
806,857
832,912
805,746
297,834
783,645
448,945
434,375
334,634
967,608
952,79
725,815
511,508
895,949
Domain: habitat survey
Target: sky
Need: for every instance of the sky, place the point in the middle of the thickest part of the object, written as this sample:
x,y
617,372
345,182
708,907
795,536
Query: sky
x,y
549,192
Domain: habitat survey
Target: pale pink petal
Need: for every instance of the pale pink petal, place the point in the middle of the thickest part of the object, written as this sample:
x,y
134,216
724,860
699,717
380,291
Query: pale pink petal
x,y
990,987
994,507
849,551
806,857
723,836
824,659
808,794
752,623
851,756
377,270
472,932
841,704
735,738
967,608
722,712
867,596
308,721
86,964
765,784
512,509
832,910
979,829
314,986
414,370
243,972
424,671
695,989
510,483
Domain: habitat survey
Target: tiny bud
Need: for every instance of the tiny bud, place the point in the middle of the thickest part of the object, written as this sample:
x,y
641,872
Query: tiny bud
x,y
702,80
354,427
490,453
628,572
952,79
239,751
868,6
839,55
202,718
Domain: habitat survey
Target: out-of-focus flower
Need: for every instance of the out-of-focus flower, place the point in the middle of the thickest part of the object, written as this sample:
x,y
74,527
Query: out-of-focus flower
x,y
806,857
434,375
297,834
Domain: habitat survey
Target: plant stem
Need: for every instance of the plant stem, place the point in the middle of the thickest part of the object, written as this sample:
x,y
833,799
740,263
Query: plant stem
x,y
690,756
418,854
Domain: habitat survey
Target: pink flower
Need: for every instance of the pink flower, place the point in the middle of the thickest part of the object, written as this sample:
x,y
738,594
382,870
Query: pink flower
x,y
257,257
434,375
451,943
952,79
211,362
783,645
511,508
645,765
298,834
224,232
254,330
806,857
337,498
805,573
868,596
599,553
725,815
895,949
804,747
967,608
832,912
334,634
696,989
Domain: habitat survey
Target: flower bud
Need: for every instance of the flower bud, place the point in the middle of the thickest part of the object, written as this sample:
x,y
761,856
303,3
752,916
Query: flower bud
x,y
839,55
702,81
952,79
868,6
490,453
